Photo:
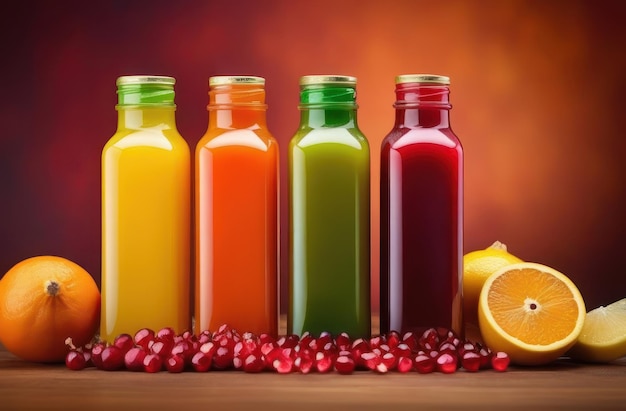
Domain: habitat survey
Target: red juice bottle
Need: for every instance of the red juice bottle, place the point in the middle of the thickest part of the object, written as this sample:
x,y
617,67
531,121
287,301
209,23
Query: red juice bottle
x,y
421,206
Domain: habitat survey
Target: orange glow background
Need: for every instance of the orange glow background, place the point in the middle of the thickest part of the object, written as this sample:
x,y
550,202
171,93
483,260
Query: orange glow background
x,y
537,89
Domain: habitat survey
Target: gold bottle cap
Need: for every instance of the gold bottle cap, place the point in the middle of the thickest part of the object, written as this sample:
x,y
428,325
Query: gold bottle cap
x,y
328,79
145,79
223,80
422,78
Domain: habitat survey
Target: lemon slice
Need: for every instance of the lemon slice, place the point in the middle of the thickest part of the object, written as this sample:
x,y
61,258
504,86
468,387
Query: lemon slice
x,y
603,337
531,311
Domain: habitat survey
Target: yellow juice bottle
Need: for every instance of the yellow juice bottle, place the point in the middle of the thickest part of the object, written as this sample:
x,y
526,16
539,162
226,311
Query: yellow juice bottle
x,y
145,213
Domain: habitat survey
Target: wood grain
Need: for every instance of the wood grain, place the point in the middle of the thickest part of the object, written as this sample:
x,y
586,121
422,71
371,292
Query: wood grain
x,y
562,385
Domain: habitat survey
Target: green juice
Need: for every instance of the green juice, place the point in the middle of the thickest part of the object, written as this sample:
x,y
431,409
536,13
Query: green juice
x,y
329,203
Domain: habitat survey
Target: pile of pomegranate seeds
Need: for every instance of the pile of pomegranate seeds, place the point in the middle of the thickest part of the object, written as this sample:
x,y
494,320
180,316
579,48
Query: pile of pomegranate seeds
x,y
435,350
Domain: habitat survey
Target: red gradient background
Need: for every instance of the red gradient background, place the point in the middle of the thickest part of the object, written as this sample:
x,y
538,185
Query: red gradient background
x,y
537,88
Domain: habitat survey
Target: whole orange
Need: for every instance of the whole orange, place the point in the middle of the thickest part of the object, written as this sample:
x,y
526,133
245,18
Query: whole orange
x,y
44,300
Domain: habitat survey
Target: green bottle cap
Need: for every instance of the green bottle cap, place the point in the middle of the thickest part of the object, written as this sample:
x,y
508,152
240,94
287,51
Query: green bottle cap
x,y
328,91
145,91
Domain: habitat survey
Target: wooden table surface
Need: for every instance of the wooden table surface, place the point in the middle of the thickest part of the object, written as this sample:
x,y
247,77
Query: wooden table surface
x,y
562,385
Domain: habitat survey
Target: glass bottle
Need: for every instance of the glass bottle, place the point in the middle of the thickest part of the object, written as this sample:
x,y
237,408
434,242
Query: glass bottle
x,y
145,213
236,186
329,212
421,211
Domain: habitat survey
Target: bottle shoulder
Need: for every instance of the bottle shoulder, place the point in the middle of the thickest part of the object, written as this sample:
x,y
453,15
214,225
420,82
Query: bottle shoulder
x,y
400,137
259,138
167,139
306,136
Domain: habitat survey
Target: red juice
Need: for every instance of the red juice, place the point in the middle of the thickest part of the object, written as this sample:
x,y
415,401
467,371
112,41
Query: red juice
x,y
421,256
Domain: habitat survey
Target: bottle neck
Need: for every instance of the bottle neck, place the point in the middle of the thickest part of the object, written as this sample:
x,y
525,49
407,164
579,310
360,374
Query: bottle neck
x,y
328,106
422,105
237,118
317,117
237,106
142,117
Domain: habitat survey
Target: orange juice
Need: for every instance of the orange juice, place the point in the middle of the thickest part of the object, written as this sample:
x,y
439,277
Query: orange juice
x,y
145,213
236,186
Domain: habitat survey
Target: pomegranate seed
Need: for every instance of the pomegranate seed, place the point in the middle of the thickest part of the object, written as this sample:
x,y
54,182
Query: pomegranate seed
x,y
253,363
359,346
288,341
410,340
201,362
208,348
143,337
323,361
371,360
465,347
283,364
389,360
305,339
446,334
500,361
485,357
223,358
470,361
223,329
175,364
244,349
112,358
429,339
133,359
268,347
124,342
75,360
405,364
343,341
266,338
401,350
447,347
184,349
424,363
189,336
205,336
166,333
384,348
162,347
304,361
446,363
249,336
324,338
393,339
344,364
271,355
376,341
152,363
226,335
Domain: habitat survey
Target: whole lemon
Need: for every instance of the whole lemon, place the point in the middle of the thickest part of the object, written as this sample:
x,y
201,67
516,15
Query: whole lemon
x,y
477,267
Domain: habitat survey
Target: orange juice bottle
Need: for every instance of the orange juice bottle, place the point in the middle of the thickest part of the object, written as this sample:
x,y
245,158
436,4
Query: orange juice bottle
x,y
145,213
236,187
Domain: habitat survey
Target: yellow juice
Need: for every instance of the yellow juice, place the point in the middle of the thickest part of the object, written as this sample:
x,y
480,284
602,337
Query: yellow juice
x,y
145,225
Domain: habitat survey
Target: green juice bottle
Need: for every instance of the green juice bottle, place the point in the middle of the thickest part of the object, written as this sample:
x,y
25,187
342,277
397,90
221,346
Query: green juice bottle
x,y
329,213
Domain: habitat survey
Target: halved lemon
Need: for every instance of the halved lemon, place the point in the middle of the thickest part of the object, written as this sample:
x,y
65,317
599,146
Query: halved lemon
x,y
603,337
531,311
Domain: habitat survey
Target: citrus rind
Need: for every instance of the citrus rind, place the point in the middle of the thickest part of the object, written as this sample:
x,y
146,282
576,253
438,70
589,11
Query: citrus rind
x,y
603,336
519,351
